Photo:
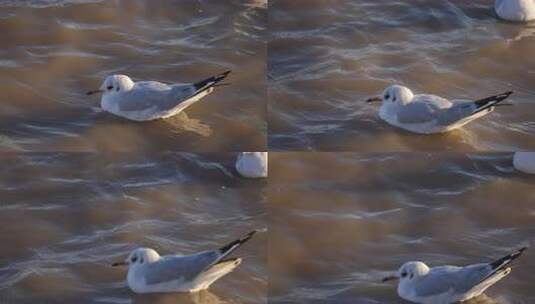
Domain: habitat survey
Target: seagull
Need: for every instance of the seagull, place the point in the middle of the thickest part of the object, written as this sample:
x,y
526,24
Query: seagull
x,y
427,114
515,10
524,162
150,100
148,272
252,164
449,284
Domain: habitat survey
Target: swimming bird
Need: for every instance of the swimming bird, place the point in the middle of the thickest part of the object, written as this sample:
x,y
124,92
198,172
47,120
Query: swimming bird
x,y
148,272
419,283
427,114
150,100
524,162
252,164
515,10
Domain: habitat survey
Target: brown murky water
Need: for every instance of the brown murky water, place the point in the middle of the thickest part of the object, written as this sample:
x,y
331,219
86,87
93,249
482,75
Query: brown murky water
x,y
327,56
340,222
80,188
66,217
52,52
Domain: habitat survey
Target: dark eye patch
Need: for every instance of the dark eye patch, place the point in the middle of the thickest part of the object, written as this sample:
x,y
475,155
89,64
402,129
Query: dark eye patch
x,y
394,99
141,260
134,259
403,274
110,87
387,96
117,89
412,276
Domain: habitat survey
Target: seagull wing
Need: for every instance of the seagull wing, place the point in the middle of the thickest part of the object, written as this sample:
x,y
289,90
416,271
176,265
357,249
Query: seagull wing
x,y
416,112
438,281
464,109
148,95
183,268
185,92
187,268
450,279
422,109
161,97
460,280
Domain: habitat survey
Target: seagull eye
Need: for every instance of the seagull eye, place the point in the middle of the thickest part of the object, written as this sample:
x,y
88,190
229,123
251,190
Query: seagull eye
x,y
387,96
141,260
411,276
394,99
110,87
134,259
403,274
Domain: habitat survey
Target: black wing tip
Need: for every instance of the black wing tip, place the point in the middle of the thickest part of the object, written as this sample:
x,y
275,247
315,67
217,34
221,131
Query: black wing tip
x,y
521,250
219,77
518,253
504,95
246,237
210,82
234,244
490,102
508,259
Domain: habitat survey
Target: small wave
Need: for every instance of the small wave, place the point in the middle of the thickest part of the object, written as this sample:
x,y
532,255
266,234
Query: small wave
x,y
43,3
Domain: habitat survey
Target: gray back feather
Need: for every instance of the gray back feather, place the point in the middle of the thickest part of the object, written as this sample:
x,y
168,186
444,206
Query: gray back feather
x,y
458,279
457,112
417,112
152,94
184,268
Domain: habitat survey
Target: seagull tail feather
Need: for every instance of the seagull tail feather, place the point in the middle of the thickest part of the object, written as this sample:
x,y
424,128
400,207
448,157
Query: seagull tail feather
x,y
500,267
230,247
505,261
207,83
489,102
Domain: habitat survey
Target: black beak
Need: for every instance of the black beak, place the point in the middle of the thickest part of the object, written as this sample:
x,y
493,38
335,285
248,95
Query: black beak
x,y
93,92
390,278
119,264
374,99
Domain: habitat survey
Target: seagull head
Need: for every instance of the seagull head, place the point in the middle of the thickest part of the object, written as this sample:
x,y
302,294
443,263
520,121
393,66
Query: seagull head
x,y
408,272
139,257
394,95
114,84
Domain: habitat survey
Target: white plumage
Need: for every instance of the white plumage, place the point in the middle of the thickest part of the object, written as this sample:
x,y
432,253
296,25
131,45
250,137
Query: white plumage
x,y
515,10
148,272
524,162
427,114
252,164
150,100
419,283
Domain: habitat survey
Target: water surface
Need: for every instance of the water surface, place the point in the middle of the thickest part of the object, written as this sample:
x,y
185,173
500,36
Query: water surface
x,y
340,222
54,51
67,217
326,57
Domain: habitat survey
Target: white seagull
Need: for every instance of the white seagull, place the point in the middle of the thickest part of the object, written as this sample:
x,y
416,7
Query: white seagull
x,y
515,10
449,284
524,162
150,100
252,164
427,114
148,272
